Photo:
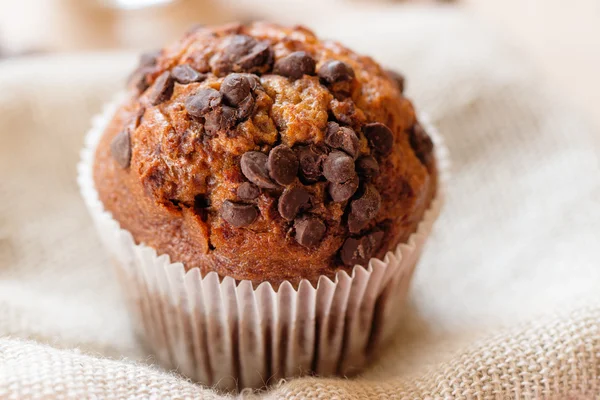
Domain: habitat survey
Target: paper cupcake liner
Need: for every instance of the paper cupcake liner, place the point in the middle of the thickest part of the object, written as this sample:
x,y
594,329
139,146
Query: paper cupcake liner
x,y
225,333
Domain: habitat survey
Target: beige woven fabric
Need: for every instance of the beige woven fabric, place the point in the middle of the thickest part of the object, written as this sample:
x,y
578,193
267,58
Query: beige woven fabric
x,y
506,301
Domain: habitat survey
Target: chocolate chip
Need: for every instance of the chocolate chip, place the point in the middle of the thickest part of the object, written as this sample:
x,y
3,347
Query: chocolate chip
x,y
248,191
138,116
380,137
202,102
245,108
375,239
237,47
311,160
254,82
120,149
360,250
238,215
259,59
398,78
185,74
309,231
343,138
367,206
354,251
338,167
336,71
283,164
161,89
421,144
254,168
367,167
146,65
138,79
235,88
244,54
364,209
237,92
292,201
149,58
222,119
343,191
295,65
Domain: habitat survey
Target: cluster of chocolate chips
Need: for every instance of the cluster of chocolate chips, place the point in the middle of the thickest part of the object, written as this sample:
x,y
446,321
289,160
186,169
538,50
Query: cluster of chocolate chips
x,y
161,91
271,172
243,53
337,161
223,109
162,88
284,171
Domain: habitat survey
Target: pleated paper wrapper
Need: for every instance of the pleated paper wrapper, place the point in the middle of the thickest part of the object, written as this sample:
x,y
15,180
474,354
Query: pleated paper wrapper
x,y
227,334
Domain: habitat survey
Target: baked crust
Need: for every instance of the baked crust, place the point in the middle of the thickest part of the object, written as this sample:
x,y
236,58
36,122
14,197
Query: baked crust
x,y
168,188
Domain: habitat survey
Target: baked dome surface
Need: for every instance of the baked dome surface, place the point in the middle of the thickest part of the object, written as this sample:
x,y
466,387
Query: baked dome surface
x,y
263,153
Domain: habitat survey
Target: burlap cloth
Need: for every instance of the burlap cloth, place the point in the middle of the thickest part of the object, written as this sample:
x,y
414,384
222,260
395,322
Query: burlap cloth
x,y
504,303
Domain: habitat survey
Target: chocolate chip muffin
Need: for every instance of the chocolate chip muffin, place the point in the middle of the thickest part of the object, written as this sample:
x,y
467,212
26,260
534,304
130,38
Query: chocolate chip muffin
x,y
263,153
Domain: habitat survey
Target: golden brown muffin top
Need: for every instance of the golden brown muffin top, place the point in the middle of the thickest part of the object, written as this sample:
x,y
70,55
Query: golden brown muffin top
x,y
277,155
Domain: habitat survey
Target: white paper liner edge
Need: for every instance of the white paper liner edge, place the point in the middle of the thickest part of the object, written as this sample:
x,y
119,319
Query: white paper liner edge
x,y
226,334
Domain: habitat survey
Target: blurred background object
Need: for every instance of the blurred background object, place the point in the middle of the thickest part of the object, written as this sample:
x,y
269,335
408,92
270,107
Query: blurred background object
x,y
563,38
72,25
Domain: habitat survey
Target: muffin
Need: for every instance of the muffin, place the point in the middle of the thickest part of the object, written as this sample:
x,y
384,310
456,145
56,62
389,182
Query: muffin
x,y
264,192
